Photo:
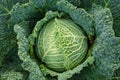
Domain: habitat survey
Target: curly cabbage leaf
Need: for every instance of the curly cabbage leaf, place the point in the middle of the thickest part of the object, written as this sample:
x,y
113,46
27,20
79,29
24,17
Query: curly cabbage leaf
x,y
114,6
23,46
9,64
106,48
34,8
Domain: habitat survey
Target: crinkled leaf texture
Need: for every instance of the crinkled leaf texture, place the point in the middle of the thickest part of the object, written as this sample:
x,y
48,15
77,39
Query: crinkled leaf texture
x,y
114,6
106,47
10,68
34,7
29,64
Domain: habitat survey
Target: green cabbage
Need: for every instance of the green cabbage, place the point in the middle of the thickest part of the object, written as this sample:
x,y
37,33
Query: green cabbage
x,y
61,44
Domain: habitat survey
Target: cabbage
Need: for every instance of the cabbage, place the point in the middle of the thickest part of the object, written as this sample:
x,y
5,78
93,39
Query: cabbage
x,y
61,44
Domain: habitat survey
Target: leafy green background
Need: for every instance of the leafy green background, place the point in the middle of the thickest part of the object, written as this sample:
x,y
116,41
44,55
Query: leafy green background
x,y
114,6
10,64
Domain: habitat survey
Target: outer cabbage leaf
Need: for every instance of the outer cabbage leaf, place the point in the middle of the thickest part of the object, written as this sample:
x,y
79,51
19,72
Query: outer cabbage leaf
x,y
114,52
23,12
104,16
34,8
114,6
51,4
29,63
106,49
8,45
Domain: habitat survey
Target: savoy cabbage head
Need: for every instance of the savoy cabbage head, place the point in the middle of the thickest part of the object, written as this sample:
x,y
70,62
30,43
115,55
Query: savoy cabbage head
x,y
60,39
